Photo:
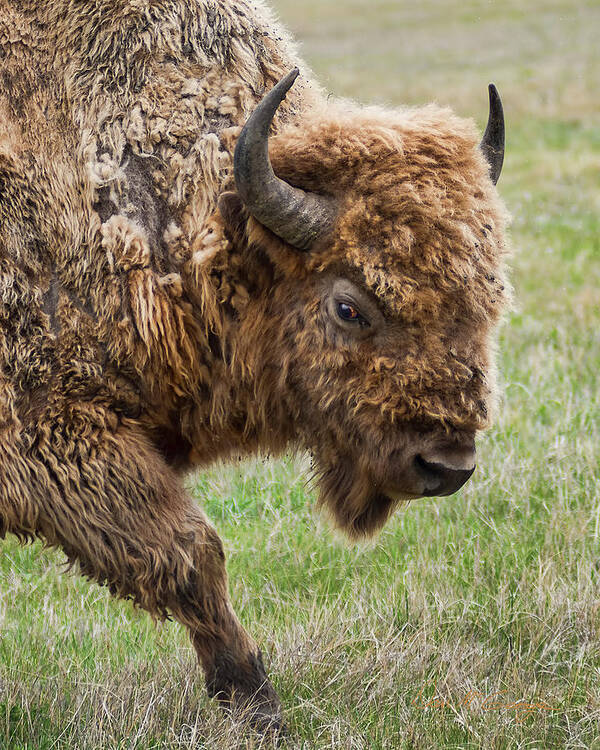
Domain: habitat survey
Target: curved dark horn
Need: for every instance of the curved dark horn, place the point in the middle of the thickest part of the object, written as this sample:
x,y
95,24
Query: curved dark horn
x,y
492,143
298,217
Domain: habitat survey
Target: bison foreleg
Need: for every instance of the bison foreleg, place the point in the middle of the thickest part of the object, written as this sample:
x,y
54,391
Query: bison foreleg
x,y
117,510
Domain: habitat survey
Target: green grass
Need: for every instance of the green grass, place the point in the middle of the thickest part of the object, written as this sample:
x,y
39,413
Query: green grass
x,y
496,589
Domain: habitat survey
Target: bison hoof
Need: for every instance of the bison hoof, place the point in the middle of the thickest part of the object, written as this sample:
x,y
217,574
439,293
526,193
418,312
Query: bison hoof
x,y
261,711
245,691
266,724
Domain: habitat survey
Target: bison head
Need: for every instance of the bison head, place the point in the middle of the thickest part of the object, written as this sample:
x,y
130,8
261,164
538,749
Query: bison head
x,y
386,235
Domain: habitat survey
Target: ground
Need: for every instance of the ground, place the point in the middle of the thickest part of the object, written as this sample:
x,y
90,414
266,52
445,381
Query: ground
x,y
474,621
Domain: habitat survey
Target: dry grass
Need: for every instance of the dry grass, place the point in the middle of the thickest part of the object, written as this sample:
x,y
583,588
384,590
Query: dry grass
x,y
489,595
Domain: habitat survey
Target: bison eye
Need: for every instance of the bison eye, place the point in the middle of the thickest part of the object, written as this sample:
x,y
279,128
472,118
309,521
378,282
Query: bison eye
x,y
350,314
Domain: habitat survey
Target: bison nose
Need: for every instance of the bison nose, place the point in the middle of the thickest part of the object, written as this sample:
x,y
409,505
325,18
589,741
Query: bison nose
x,y
445,470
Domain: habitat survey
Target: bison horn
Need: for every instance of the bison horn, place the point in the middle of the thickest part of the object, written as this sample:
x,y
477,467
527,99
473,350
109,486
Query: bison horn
x,y
492,143
298,217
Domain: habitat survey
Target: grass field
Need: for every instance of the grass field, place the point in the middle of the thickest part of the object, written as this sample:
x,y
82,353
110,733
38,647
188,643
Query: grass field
x,y
473,621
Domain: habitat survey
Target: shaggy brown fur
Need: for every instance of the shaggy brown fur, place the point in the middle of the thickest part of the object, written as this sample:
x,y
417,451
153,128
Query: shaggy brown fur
x,y
141,333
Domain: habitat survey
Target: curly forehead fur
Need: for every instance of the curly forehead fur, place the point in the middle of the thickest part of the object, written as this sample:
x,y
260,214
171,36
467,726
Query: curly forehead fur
x,y
418,217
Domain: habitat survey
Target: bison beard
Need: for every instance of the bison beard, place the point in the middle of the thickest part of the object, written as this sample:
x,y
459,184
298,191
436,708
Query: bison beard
x,y
355,506
144,331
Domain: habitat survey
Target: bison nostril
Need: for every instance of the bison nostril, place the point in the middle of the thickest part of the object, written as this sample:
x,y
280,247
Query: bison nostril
x,y
439,478
432,473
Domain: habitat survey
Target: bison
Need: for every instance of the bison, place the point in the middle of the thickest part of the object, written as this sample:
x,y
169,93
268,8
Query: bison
x,y
193,267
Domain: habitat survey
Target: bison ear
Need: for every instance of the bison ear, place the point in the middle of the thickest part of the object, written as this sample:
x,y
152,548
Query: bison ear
x,y
232,211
